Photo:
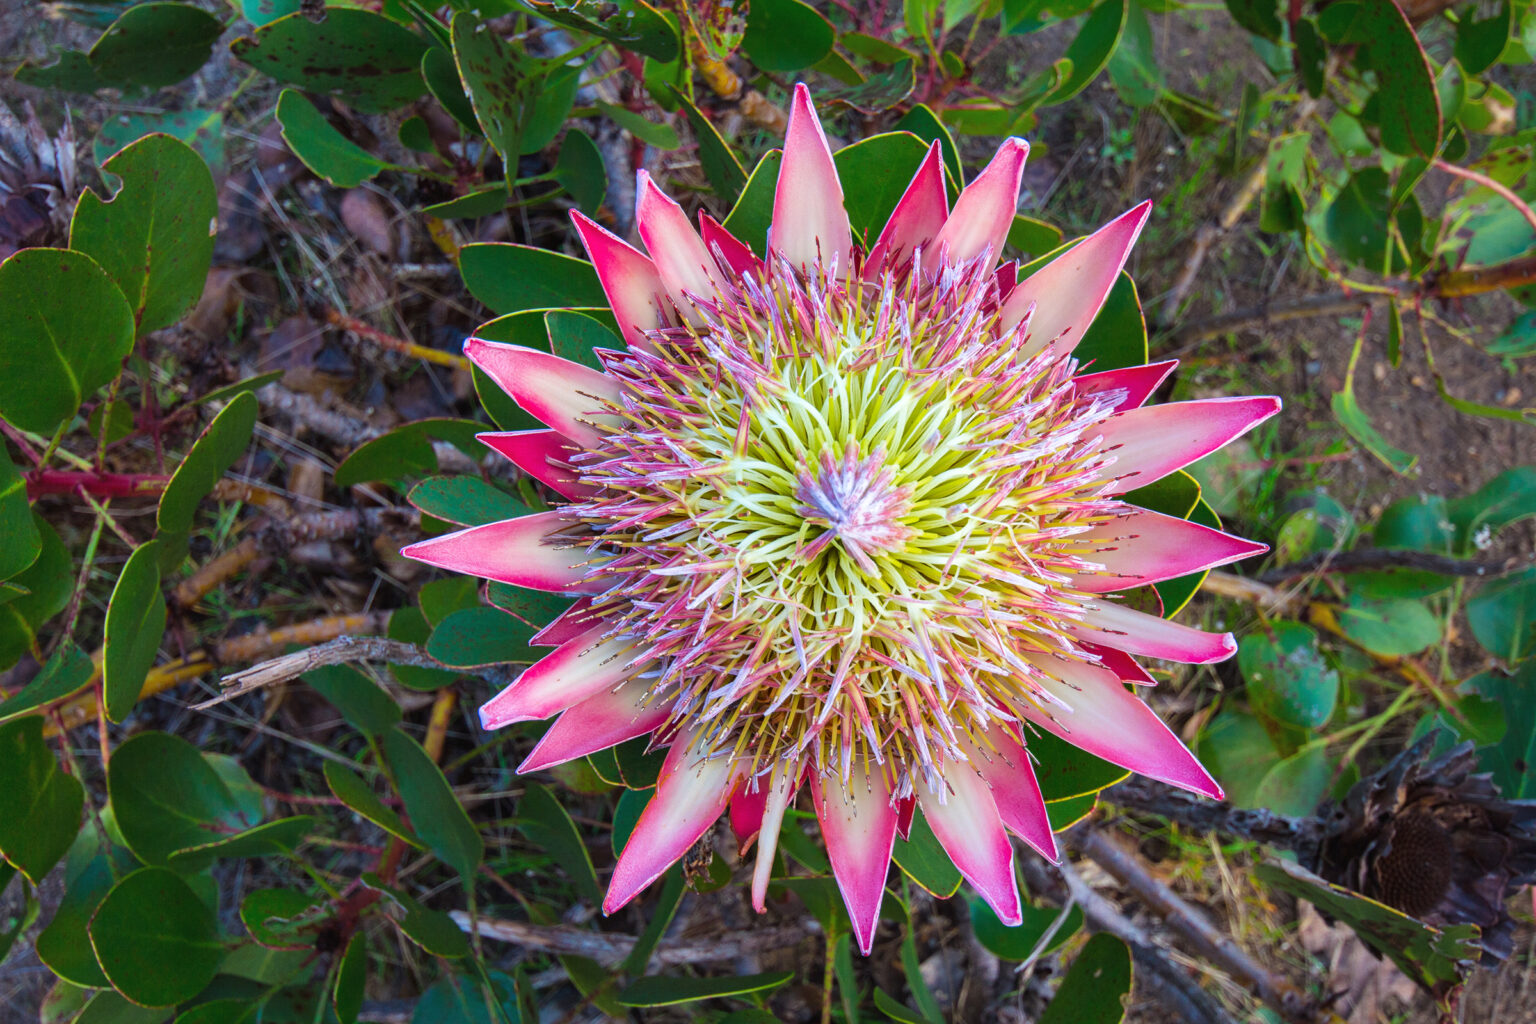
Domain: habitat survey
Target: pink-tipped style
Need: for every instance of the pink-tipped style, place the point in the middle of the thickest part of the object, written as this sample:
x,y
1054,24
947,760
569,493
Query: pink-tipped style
x,y
850,521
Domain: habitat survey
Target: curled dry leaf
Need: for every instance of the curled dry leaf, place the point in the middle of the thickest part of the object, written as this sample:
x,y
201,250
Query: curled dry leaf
x,y
364,215
306,479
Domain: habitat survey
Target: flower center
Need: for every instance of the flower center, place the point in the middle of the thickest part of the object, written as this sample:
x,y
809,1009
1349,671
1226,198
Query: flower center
x,y
858,502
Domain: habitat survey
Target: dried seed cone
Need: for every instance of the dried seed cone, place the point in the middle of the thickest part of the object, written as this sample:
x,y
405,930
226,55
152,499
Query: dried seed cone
x,y
1434,840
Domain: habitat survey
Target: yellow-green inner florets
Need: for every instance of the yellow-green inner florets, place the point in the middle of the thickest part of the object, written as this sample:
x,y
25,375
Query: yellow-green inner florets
x,y
841,517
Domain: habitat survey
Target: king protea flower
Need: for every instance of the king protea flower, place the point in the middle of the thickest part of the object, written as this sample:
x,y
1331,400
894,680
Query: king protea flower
x,y
849,518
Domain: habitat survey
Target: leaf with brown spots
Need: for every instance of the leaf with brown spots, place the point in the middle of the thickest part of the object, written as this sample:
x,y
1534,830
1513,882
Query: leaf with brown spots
x,y
371,61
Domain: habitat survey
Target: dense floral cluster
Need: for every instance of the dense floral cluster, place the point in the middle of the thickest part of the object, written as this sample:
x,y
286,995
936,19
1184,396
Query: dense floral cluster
x,y
849,517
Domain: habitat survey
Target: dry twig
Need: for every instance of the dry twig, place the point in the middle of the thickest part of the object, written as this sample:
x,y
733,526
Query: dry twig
x,y
342,650
1203,938
253,646
610,949
1387,558
285,535
394,344
1203,816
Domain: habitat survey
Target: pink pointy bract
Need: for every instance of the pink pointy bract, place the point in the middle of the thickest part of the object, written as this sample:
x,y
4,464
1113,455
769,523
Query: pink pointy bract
x,y
849,521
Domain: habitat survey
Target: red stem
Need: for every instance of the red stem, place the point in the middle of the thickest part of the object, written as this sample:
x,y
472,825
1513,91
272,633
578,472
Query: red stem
x,y
102,485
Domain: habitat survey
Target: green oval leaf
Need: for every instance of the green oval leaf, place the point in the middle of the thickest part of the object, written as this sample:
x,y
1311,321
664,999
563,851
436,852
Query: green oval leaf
x,y
1407,104
350,789
1063,814
1117,337
135,624
65,328
435,812
1090,51
510,278
432,930
1503,501
274,916
1065,771
659,134
1418,523
1480,41
47,584
498,86
1288,678
1024,940
157,943
166,797
465,500
365,704
441,75
1296,784
1512,759
1503,616
576,336
154,237
65,675
1238,751
1032,236
39,805
1389,626
475,637
534,607
407,451
270,839
215,450
351,975
156,44
64,945
1096,987
321,148
785,35
546,824
924,861
23,539
875,173
580,170
375,63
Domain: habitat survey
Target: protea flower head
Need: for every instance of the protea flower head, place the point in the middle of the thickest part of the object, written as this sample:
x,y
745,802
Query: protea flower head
x,y
849,518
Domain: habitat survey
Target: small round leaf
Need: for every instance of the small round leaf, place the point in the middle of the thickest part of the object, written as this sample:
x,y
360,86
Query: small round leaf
x,y
64,330
156,941
166,797
1288,679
